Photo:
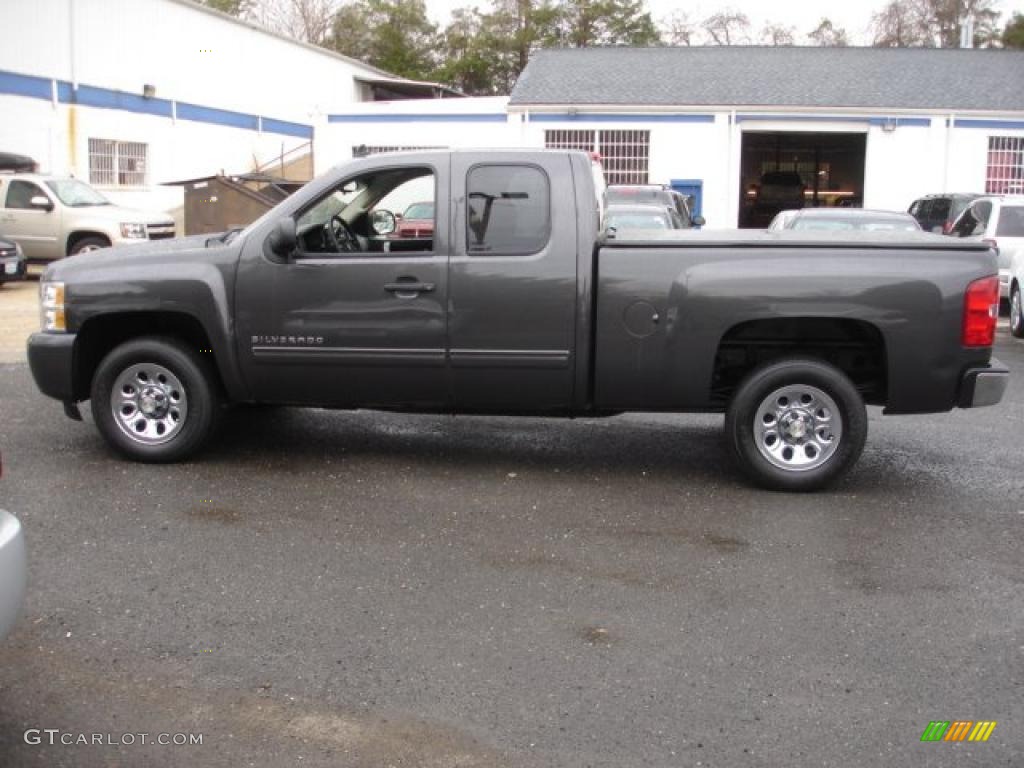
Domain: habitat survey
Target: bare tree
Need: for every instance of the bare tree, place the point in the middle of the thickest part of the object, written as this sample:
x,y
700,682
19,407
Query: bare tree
x,y
679,29
778,34
308,20
728,27
931,23
825,34
901,24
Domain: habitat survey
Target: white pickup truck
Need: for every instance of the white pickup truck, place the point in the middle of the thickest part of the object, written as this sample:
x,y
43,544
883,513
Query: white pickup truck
x,y
51,217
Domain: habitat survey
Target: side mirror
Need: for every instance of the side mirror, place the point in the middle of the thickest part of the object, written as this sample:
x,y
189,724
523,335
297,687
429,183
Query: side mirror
x,y
283,239
698,221
383,222
41,202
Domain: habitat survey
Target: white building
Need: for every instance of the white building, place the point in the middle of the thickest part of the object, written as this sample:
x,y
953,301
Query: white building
x,y
132,94
868,126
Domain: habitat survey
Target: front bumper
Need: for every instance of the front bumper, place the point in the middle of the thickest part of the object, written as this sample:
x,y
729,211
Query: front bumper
x,y
983,386
12,269
13,570
51,358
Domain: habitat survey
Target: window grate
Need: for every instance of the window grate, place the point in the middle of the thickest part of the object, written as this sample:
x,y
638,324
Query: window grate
x,y
117,163
1005,173
625,155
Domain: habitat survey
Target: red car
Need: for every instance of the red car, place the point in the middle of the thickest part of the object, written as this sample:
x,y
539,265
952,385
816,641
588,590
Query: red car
x,y
417,221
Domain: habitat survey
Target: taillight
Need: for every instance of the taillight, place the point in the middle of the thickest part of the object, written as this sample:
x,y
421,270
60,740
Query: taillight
x,y
981,310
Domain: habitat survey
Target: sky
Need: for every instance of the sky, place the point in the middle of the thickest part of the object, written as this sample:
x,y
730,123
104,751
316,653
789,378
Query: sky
x,y
853,15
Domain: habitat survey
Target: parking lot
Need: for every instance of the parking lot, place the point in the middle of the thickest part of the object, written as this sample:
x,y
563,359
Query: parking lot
x,y
366,589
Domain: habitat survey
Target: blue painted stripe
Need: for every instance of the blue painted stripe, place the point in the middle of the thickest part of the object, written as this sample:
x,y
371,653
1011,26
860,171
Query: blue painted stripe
x,y
452,117
201,114
910,122
615,117
1010,125
287,129
25,85
104,98
803,118
88,96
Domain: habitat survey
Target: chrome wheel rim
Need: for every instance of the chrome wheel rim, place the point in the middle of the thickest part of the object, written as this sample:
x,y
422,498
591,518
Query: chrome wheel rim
x,y
1015,311
88,248
149,403
797,428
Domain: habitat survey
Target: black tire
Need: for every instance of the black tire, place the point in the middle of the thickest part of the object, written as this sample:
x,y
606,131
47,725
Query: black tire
x,y
200,395
89,244
750,400
1017,312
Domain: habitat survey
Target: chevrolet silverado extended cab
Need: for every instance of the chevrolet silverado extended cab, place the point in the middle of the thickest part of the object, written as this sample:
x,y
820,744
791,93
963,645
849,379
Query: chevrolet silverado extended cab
x,y
516,304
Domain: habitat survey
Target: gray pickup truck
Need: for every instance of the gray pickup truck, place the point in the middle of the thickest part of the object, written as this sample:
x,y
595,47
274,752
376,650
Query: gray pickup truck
x,y
514,303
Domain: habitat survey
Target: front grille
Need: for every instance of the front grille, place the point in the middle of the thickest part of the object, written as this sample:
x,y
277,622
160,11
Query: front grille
x,y
5,252
160,233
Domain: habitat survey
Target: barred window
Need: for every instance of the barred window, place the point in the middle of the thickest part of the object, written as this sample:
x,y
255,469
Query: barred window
x,y
117,163
624,154
1005,175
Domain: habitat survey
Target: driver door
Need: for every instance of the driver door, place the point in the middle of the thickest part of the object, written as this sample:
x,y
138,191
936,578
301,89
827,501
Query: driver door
x,y
361,328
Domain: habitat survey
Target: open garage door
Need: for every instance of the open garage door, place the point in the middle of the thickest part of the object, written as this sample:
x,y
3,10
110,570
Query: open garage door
x,y
783,170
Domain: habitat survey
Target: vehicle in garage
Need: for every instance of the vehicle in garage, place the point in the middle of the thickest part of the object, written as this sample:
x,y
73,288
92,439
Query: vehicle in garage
x,y
999,223
52,217
12,261
13,571
936,213
517,305
844,220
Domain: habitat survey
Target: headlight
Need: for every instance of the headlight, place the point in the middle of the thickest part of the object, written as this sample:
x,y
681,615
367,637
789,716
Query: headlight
x,y
51,306
133,230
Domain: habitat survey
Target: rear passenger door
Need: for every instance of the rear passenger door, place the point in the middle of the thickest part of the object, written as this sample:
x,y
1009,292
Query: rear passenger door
x,y
512,282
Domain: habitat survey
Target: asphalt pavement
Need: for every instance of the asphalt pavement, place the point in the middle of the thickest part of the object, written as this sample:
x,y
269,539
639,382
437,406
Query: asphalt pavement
x,y
364,589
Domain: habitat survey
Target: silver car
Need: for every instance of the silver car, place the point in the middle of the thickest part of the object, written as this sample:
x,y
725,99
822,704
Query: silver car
x,y
13,570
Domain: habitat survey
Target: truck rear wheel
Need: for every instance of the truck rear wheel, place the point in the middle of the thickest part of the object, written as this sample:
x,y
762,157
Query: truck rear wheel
x,y
796,425
1016,313
154,400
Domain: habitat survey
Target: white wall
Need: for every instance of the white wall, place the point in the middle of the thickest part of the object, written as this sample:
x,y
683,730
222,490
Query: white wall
x,y
187,53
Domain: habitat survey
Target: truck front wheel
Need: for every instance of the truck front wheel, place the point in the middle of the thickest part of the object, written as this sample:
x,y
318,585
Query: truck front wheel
x,y
154,400
796,425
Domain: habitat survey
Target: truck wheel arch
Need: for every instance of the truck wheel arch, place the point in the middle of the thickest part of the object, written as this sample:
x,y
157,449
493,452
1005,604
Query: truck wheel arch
x,y
99,335
856,347
76,237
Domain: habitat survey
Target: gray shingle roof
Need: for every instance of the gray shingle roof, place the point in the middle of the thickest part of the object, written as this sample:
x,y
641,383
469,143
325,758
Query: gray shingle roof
x,y
887,78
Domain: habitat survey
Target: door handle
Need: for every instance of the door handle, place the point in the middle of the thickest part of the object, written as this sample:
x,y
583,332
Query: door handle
x,y
408,287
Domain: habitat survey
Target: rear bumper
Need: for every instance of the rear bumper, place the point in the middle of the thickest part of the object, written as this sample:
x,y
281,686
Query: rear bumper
x,y
984,386
13,570
8,264
51,358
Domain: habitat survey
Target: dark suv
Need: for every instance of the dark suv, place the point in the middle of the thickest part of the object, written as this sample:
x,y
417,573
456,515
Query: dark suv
x,y
936,213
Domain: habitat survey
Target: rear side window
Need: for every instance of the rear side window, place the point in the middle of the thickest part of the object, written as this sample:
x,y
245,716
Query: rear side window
x,y
1011,222
508,210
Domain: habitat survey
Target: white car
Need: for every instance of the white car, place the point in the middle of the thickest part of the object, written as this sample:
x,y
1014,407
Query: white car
x,y
52,217
13,568
998,221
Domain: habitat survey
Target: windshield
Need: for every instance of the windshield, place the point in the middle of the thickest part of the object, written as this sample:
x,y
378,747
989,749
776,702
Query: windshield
x,y
75,194
419,211
637,220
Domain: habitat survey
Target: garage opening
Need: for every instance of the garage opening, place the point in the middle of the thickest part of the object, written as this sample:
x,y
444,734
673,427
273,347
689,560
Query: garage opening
x,y
784,170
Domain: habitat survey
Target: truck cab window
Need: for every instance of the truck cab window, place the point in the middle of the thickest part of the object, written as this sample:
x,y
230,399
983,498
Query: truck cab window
x,y
508,210
20,194
379,213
